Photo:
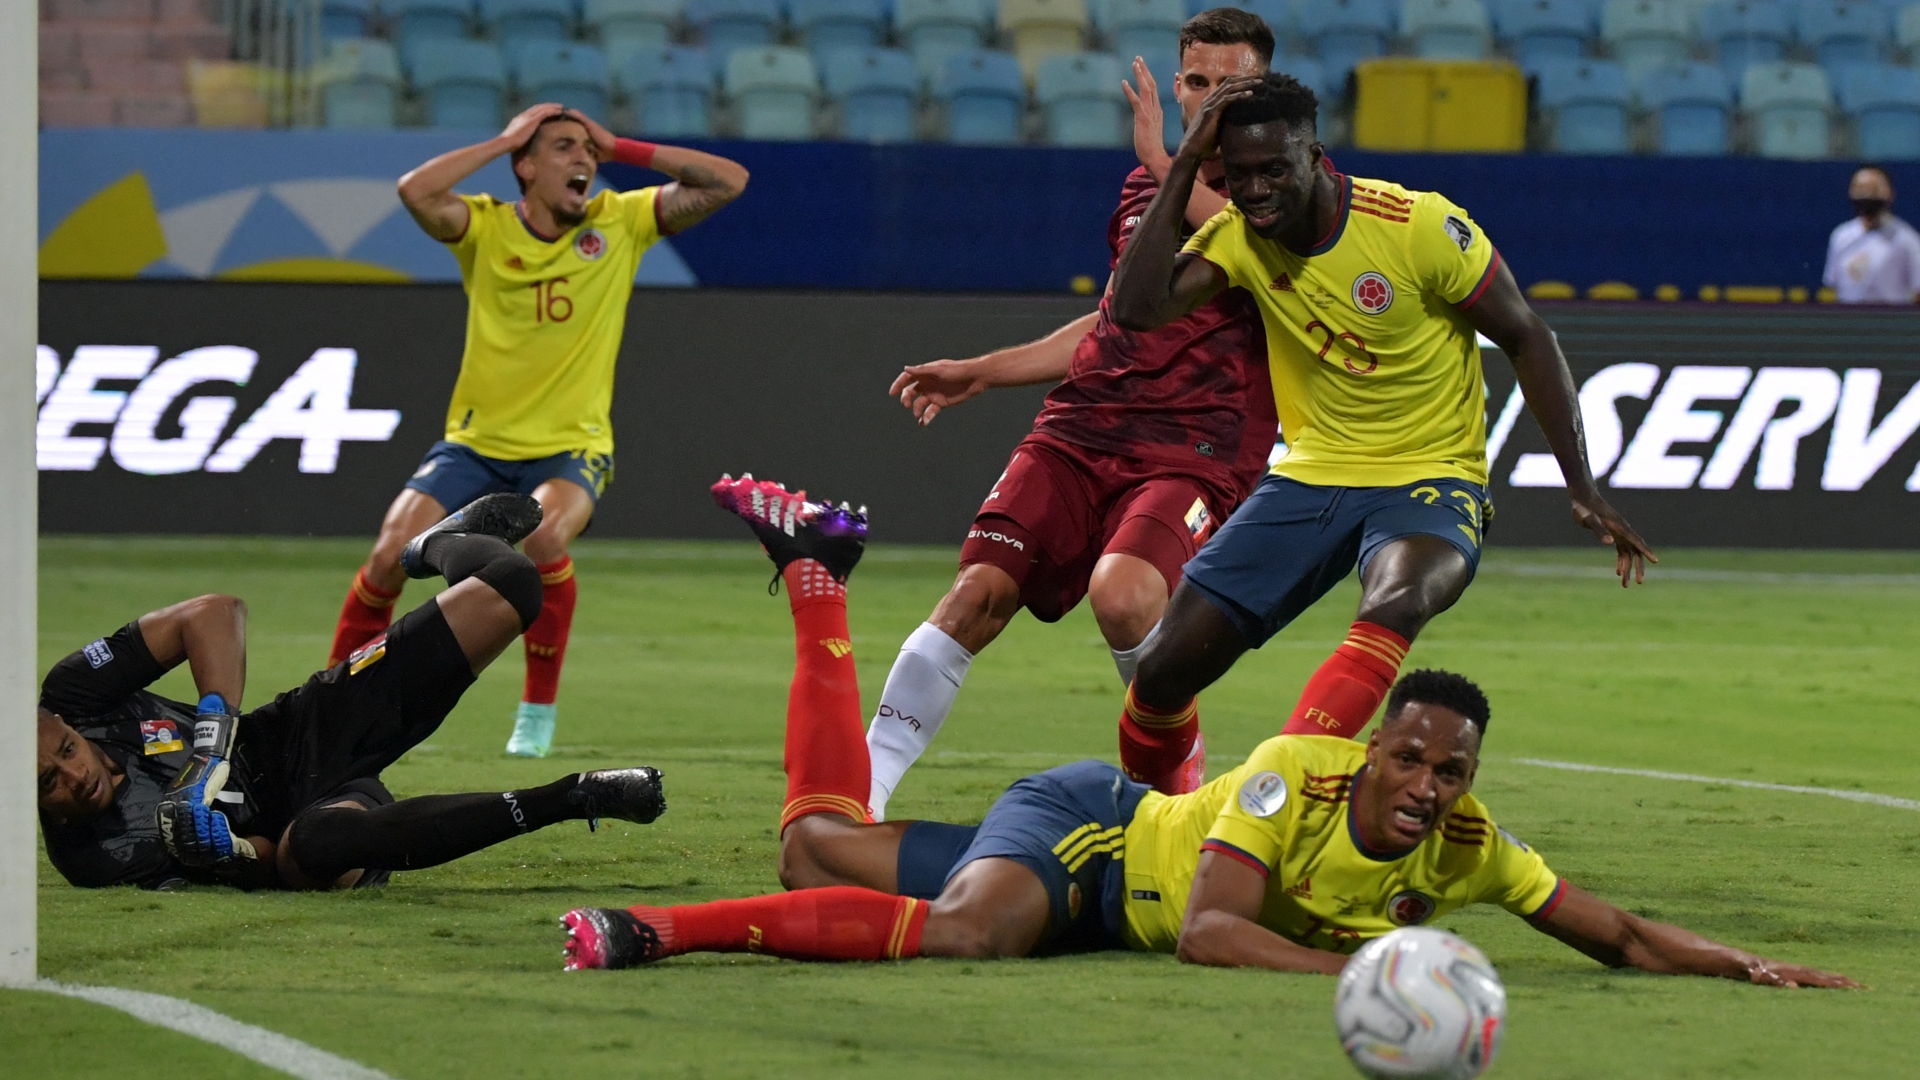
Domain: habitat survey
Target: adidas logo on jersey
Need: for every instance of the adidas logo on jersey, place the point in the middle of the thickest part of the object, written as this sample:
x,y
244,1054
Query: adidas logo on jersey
x,y
514,263
1283,283
1302,889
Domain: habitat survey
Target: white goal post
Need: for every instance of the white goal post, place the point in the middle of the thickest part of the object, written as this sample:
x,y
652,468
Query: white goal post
x,y
19,483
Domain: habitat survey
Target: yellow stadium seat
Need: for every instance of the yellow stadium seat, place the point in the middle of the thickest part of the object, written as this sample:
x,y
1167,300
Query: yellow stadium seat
x,y
1041,28
1454,106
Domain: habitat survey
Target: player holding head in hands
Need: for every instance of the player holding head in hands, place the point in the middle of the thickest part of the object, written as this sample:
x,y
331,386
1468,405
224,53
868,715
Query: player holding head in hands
x,y
1372,296
139,790
547,279
1149,442
1291,861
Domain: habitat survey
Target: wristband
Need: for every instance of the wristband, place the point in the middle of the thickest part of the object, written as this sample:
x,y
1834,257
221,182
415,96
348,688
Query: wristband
x,y
215,703
634,152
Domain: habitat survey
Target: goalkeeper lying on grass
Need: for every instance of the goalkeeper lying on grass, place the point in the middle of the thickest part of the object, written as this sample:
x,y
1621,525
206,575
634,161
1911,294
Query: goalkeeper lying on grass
x,y
1291,861
139,790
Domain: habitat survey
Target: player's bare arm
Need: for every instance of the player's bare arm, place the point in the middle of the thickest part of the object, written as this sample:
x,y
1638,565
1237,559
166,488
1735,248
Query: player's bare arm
x,y
208,633
702,183
427,191
1619,938
925,389
1149,137
1505,317
1220,929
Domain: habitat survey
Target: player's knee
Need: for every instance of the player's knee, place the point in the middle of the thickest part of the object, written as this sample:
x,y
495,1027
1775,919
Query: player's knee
x,y
965,934
317,850
980,604
504,570
800,862
545,546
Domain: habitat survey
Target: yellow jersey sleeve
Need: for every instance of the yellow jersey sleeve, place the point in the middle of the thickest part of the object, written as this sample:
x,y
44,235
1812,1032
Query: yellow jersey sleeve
x,y
480,226
1222,242
1255,821
1515,877
641,211
1451,255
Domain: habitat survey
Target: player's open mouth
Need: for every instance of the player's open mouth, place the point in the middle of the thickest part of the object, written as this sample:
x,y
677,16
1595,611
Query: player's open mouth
x,y
1411,821
1262,219
579,182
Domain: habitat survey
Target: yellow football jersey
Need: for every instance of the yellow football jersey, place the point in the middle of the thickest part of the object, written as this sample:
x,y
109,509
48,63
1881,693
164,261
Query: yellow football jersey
x,y
1376,373
544,319
1287,811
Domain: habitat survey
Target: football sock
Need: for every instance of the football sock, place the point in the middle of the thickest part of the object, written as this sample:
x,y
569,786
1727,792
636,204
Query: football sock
x,y
459,556
367,611
1127,661
546,639
416,833
842,922
826,755
1154,744
1341,697
919,694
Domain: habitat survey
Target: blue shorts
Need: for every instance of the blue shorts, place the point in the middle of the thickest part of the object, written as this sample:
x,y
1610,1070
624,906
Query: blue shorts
x,y
1290,542
455,475
1068,825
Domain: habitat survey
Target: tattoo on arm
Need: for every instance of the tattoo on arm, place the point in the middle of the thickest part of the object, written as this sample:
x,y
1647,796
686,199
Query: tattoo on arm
x,y
692,197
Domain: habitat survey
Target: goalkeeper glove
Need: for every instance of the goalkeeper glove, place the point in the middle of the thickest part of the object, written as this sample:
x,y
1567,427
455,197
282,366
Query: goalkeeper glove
x,y
194,832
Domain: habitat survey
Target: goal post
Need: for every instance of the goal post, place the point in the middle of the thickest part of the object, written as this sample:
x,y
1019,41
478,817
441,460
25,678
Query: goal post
x,y
19,483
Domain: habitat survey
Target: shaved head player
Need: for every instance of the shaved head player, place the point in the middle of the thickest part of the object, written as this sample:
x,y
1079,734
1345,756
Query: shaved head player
x,y
548,279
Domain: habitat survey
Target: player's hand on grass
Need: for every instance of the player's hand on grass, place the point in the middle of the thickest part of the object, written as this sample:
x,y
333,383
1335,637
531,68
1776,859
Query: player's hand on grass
x,y
1203,138
1793,976
928,388
1149,122
1631,554
520,129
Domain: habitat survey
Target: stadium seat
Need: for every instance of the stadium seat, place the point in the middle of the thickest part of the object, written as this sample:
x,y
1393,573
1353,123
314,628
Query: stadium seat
x,y
827,25
568,72
1144,28
1906,32
933,30
1313,75
1644,34
1447,29
1587,103
671,89
1884,103
346,19
463,81
1279,16
359,84
726,25
774,90
627,26
1344,32
418,20
874,91
514,21
1042,28
1080,100
1845,32
1546,29
1691,105
1746,32
984,96
1787,106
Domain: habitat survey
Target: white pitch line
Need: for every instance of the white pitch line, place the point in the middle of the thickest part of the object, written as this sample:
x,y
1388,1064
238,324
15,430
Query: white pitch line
x,y
269,1048
1654,774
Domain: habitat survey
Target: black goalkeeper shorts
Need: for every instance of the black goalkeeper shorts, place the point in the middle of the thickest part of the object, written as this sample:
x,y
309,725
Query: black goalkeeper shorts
x,y
313,744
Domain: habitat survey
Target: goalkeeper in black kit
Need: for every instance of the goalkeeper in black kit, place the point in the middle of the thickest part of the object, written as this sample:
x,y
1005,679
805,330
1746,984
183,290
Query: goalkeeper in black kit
x,y
135,789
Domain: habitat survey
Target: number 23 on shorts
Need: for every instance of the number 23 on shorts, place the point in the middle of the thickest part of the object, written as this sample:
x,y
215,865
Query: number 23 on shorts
x,y
1467,505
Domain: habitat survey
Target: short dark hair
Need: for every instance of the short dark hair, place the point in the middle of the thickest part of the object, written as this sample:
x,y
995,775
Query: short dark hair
x,y
1277,96
1431,686
1874,166
1228,26
527,147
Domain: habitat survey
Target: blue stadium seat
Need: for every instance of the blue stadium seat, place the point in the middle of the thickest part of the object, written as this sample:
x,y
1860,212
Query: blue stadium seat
x,y
933,30
1344,32
875,90
1313,75
1644,34
1884,102
346,19
1587,103
671,89
1906,32
568,72
774,90
1143,27
1845,32
1692,108
1279,16
1787,107
359,84
985,97
1747,32
1447,29
1546,29
463,80
1080,100
826,25
418,20
514,21
627,26
726,25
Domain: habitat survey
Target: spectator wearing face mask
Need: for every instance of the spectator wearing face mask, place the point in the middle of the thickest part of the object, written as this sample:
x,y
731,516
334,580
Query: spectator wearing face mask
x,y
1873,257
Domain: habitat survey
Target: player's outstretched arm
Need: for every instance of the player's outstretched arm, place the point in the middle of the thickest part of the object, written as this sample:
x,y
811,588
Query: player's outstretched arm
x,y
1505,317
427,191
925,389
209,633
1149,143
1618,938
1220,931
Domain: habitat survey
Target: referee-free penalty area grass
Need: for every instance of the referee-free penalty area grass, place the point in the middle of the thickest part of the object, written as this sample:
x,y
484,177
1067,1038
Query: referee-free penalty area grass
x,y
1775,667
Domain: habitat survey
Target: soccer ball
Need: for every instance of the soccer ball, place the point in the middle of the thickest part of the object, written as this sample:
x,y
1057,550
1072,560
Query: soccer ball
x,y
1420,1004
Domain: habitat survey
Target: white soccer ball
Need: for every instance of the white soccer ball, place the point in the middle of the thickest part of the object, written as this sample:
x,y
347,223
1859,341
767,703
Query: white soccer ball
x,y
1420,1004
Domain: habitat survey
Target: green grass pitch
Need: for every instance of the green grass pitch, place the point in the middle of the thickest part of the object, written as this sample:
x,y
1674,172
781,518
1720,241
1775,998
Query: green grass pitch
x,y
1787,668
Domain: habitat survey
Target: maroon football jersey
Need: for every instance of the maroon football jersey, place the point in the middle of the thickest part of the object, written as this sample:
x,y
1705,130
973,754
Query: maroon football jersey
x,y
1194,394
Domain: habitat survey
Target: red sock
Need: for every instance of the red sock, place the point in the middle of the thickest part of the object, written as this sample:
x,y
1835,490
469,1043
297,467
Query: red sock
x,y
546,639
826,754
1153,745
1342,695
365,614
838,923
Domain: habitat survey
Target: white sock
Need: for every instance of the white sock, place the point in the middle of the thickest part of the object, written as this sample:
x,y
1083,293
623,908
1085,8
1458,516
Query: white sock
x,y
920,690
1127,661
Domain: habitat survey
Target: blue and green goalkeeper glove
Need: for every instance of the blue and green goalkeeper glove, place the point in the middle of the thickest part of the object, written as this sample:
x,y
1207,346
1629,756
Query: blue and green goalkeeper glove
x,y
192,830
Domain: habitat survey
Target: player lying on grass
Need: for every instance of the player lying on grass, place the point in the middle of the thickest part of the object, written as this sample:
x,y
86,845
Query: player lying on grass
x,y
139,790
1312,846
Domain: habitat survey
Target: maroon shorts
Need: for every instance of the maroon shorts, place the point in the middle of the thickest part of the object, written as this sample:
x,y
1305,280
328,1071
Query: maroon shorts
x,y
1059,507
